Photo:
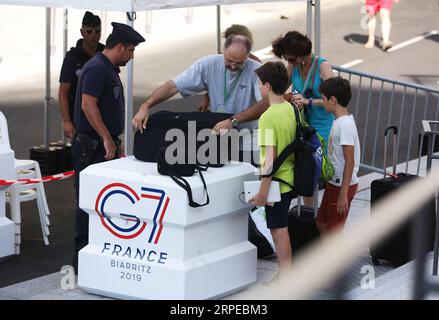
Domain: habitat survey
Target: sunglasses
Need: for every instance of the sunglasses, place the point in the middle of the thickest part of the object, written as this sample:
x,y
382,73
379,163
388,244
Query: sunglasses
x,y
291,60
89,31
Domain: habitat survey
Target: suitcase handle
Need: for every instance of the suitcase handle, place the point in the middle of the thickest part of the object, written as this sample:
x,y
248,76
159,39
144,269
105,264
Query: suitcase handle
x,y
315,203
394,128
395,133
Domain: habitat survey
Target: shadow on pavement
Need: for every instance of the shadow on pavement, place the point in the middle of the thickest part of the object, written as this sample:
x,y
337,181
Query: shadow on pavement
x,y
361,39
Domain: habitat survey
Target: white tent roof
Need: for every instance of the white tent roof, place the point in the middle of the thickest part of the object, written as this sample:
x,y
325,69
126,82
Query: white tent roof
x,y
126,5
134,6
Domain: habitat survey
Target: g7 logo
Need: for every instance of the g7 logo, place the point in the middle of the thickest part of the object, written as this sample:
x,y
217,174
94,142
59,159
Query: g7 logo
x,y
130,226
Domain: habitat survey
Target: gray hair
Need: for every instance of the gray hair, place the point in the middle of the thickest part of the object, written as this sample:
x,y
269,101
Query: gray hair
x,y
235,38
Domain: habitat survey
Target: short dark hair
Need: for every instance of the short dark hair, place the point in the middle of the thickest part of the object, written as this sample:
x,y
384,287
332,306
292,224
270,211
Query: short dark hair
x,y
113,41
276,74
236,38
337,87
293,43
239,29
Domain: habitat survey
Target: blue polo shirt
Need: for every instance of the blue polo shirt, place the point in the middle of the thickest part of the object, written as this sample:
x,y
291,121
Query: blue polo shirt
x,y
100,78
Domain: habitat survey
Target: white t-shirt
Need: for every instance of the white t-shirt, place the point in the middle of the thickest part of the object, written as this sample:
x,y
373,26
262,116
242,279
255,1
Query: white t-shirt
x,y
343,132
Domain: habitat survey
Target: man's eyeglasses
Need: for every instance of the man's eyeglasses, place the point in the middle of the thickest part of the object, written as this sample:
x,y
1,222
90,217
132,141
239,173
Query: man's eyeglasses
x,y
89,31
230,63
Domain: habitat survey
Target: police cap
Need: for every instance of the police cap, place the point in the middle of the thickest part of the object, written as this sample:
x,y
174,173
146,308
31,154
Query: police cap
x,y
126,33
91,20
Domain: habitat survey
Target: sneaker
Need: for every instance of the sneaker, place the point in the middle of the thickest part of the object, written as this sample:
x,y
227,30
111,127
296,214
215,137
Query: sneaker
x,y
271,283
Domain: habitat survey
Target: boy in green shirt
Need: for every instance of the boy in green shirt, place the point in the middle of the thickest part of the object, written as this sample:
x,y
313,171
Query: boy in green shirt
x,y
277,129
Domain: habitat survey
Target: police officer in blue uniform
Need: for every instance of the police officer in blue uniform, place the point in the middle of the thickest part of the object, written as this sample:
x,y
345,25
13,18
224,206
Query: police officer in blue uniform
x,y
72,65
99,113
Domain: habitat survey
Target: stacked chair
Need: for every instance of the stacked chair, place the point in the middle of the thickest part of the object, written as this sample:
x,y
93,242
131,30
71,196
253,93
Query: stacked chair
x,y
17,193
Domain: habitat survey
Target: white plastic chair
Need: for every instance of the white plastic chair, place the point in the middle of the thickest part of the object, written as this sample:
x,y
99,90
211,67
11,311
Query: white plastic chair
x,y
25,169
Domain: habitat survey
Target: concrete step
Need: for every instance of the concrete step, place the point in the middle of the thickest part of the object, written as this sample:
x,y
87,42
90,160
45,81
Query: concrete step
x,y
396,284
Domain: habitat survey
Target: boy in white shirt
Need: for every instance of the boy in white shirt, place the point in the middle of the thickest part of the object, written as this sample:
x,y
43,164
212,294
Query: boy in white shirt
x,y
343,152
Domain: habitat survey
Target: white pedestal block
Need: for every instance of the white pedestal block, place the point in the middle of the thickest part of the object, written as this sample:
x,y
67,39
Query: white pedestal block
x,y
7,171
7,245
146,242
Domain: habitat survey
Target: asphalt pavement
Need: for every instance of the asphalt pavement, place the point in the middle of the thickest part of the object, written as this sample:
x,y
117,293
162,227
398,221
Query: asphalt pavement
x,y
342,42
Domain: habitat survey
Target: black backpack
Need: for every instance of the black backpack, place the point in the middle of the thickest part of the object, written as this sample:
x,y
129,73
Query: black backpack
x,y
308,157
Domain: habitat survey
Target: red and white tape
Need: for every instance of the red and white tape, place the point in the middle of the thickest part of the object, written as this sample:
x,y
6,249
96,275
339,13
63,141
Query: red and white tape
x,y
55,177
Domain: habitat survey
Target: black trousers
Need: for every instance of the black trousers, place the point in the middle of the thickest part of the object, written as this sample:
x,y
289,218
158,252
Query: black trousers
x,y
81,223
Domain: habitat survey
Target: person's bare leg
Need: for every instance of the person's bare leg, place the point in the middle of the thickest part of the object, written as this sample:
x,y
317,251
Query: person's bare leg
x,y
282,244
385,28
371,25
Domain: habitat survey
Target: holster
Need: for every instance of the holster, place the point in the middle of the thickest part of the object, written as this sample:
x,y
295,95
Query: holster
x,y
92,148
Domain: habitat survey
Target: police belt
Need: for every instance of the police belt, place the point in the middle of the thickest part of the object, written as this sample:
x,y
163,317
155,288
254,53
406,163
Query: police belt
x,y
89,141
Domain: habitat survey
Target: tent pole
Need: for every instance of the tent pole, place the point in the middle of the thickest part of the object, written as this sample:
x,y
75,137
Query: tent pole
x,y
64,51
309,18
47,97
129,98
317,30
218,28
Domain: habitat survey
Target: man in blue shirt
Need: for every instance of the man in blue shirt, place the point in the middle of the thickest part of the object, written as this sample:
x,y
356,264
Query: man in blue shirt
x,y
74,61
233,88
99,112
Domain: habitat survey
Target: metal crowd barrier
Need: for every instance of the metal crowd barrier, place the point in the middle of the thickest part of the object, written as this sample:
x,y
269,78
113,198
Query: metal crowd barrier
x,y
378,102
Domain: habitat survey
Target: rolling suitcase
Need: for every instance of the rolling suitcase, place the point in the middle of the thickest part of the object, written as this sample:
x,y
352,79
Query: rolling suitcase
x,y
396,247
148,143
302,226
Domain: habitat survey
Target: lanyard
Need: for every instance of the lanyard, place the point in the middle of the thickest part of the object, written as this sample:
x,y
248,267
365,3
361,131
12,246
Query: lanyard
x,y
310,72
227,94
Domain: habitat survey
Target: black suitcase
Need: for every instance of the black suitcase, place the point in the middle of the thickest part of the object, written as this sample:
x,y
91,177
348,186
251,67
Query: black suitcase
x,y
302,227
148,143
396,247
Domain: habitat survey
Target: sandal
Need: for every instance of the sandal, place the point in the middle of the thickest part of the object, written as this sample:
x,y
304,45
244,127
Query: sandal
x,y
386,45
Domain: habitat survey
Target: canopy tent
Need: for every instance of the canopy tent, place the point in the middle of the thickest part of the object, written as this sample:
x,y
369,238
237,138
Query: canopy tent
x,y
131,6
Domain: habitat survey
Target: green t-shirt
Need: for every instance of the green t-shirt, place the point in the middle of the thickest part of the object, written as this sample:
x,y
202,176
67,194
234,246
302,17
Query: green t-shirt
x,y
277,127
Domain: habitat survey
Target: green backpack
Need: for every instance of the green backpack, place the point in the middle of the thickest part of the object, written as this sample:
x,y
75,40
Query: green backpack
x,y
328,170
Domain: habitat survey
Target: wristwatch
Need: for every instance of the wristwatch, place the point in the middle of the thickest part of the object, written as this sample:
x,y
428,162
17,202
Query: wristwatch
x,y
234,121
309,102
